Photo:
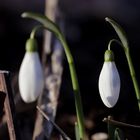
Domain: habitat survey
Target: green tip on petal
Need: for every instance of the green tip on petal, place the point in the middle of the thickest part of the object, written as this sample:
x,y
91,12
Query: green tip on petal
x,y
31,45
109,55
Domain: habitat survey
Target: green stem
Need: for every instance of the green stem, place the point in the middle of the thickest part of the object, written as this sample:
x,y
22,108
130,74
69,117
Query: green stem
x,y
133,76
77,136
49,25
75,85
34,30
113,40
125,45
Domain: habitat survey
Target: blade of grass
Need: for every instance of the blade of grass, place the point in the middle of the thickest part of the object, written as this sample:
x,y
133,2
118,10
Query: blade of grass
x,y
62,133
118,134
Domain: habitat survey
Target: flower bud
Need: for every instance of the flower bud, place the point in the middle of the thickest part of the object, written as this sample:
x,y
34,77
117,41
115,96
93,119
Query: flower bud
x,y
109,81
31,45
31,79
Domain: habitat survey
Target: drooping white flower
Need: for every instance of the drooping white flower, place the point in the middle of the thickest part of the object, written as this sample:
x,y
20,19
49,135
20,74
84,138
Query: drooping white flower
x,y
31,79
109,81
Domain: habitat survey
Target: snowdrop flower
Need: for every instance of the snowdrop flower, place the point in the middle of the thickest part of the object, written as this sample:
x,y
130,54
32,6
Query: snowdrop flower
x,y
31,81
109,81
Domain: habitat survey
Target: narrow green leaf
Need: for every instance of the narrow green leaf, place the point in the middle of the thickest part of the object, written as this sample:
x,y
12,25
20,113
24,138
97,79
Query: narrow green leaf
x,y
118,134
43,20
119,30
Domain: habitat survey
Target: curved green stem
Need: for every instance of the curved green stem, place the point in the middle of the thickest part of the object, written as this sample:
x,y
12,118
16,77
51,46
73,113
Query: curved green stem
x,y
47,23
124,43
113,40
34,30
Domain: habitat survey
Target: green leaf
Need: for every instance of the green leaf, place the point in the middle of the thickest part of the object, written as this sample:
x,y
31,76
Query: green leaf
x,y
119,30
118,134
43,20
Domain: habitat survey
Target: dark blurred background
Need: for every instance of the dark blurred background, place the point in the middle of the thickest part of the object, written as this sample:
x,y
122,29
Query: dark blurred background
x,y
88,35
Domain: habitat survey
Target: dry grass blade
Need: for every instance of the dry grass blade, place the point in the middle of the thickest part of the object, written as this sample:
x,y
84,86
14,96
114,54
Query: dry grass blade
x,y
62,133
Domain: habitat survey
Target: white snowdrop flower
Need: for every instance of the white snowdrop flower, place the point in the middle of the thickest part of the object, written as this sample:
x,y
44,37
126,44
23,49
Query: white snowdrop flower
x,y
31,79
109,81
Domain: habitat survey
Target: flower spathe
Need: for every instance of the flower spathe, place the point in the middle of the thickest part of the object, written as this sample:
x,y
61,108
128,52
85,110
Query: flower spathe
x,y
109,81
31,79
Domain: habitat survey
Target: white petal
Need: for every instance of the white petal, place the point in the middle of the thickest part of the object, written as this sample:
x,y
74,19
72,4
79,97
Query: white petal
x,y
109,84
31,79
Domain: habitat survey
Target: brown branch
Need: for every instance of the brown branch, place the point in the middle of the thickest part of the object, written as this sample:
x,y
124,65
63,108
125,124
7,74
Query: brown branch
x,y
9,105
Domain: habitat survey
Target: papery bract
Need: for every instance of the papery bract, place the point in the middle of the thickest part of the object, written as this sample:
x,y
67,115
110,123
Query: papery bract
x,y
31,81
109,84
